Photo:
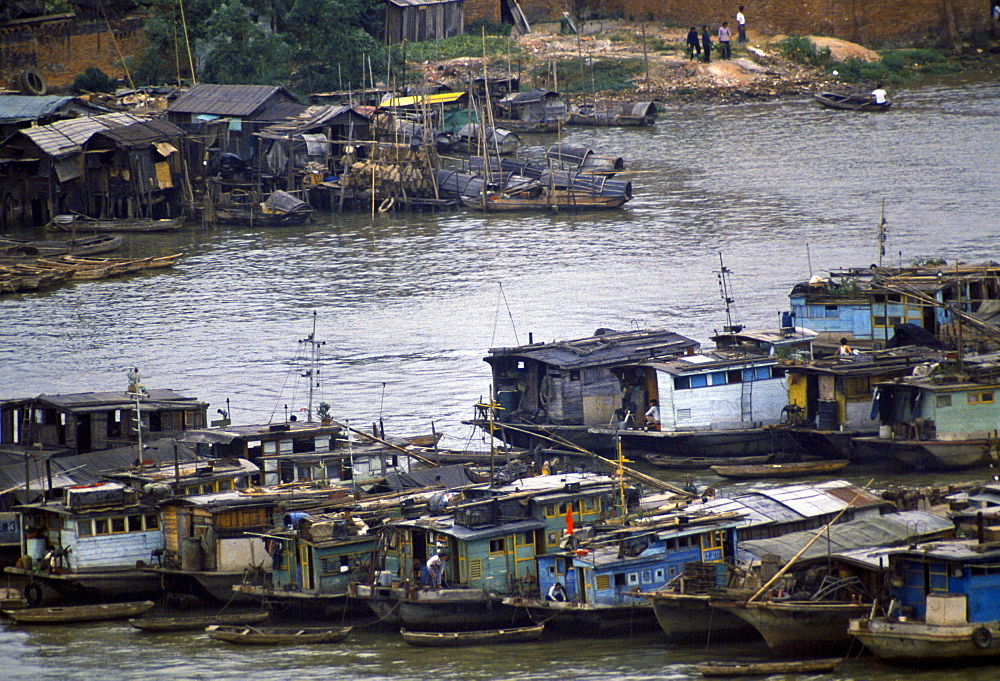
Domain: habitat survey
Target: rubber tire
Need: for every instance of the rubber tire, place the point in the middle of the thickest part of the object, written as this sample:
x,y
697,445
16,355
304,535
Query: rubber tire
x,y
982,638
33,594
31,83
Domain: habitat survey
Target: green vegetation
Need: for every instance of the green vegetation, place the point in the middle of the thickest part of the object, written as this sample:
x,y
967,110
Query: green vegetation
x,y
462,46
895,67
593,76
93,80
480,26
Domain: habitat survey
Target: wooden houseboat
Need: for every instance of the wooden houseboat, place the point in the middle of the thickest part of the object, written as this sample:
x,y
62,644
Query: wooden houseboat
x,y
617,114
719,403
550,392
945,419
90,546
830,399
214,542
489,546
583,159
944,608
866,305
606,577
532,111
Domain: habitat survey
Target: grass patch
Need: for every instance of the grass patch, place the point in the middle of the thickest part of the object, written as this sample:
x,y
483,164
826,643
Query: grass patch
x,y
461,46
896,67
804,51
597,76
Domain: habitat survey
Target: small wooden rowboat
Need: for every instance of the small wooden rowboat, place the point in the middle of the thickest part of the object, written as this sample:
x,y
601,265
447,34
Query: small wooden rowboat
x,y
766,668
852,102
472,638
247,635
695,463
780,470
195,623
79,613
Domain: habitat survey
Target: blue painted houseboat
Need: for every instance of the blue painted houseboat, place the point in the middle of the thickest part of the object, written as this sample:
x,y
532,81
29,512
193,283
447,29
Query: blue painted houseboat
x,y
607,576
945,607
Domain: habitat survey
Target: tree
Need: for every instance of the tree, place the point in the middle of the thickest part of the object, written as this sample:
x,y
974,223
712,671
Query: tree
x,y
241,52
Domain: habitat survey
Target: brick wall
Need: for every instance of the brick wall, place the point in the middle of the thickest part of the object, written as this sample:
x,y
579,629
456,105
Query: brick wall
x,y
60,49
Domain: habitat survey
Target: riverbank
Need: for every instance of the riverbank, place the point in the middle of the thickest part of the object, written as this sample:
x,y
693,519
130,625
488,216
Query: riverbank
x,y
649,62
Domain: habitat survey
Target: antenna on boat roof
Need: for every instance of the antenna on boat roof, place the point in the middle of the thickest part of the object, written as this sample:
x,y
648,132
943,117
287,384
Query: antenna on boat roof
x,y
509,314
726,288
312,373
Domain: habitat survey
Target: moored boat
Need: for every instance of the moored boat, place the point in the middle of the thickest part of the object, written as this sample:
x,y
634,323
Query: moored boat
x,y
799,627
196,623
88,245
852,102
247,635
695,463
779,470
439,639
122,225
79,613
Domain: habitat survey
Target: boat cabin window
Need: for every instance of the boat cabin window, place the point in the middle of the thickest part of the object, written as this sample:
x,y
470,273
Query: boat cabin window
x,y
552,540
523,539
118,525
574,375
831,311
659,575
893,321
84,528
942,401
699,381
718,378
633,578
152,521
672,571
982,570
619,579
101,526
135,523
498,545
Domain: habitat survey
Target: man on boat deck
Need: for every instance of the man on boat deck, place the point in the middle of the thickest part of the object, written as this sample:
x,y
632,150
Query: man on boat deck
x,y
556,593
844,350
878,94
435,569
653,416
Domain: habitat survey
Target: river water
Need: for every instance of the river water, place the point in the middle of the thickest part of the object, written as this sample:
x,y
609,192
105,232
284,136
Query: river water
x,y
407,306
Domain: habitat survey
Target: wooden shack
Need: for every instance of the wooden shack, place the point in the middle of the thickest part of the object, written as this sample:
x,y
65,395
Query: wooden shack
x,y
420,20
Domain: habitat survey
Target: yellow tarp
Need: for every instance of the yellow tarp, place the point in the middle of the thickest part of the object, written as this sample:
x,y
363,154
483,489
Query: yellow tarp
x,y
440,98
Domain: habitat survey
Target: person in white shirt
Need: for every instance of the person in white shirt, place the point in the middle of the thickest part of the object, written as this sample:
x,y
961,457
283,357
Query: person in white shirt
x,y
653,416
878,94
741,26
435,569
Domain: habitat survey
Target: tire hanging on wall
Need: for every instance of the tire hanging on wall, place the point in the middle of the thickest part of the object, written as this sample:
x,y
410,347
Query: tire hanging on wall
x,y
31,83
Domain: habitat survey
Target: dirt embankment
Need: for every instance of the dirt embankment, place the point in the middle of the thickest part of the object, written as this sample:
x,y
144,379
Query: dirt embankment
x,y
756,71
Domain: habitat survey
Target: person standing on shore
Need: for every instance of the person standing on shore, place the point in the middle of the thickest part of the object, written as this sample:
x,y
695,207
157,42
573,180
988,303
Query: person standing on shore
x,y
724,37
694,47
741,26
706,44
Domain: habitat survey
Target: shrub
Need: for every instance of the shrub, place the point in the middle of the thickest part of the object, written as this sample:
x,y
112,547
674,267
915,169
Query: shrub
x,y
93,80
803,50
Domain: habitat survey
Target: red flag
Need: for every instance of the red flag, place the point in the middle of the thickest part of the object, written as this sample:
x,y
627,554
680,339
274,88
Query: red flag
x,y
569,518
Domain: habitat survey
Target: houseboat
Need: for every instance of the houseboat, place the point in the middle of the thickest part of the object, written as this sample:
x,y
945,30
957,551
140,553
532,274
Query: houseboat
x,y
552,393
214,542
945,418
944,606
724,402
92,545
830,399
606,577
866,305
488,548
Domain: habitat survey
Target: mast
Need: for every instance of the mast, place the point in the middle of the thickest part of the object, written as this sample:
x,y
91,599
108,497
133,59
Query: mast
x,y
137,392
312,373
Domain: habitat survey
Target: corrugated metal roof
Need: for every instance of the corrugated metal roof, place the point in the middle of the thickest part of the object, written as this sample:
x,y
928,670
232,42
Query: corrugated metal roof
x,y
143,134
224,100
420,3
155,397
64,138
886,530
528,97
608,348
16,108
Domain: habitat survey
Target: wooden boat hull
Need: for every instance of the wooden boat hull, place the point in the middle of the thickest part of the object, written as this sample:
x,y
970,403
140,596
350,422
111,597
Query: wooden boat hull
x,y
779,470
928,455
96,586
101,243
449,639
563,200
79,613
588,619
795,628
125,226
829,444
271,636
916,642
164,624
456,609
703,463
700,443
212,586
304,604
833,100
688,618
527,435
244,218
768,668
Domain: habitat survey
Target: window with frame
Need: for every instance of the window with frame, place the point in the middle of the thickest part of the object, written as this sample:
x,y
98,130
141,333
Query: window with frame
x,y
152,521
102,526
942,401
118,524
498,545
135,523
84,528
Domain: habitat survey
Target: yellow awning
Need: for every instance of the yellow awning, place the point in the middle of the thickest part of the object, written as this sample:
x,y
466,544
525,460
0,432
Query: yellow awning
x,y
439,98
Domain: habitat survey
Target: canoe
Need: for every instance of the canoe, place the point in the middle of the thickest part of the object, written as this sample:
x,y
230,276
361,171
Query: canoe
x,y
79,613
780,470
694,463
766,668
247,635
558,199
442,639
90,245
101,268
123,225
195,623
855,102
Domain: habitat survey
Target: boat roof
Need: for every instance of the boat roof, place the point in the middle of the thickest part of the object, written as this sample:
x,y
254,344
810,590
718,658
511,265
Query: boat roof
x,y
603,348
883,530
850,284
190,471
792,502
227,434
710,360
267,496
874,363
447,525
155,398
767,338
965,551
